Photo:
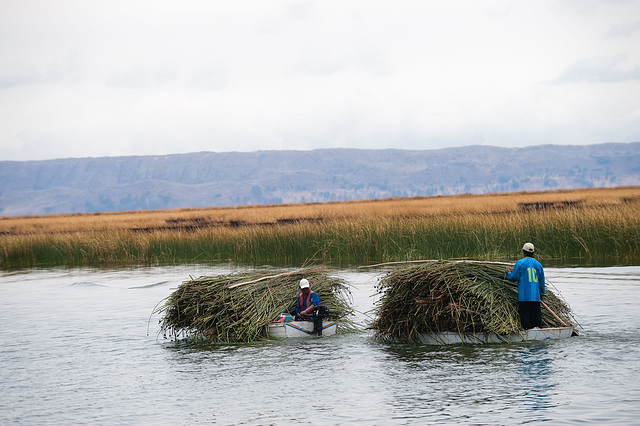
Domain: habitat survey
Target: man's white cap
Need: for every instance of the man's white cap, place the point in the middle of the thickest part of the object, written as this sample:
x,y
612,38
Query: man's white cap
x,y
528,247
304,283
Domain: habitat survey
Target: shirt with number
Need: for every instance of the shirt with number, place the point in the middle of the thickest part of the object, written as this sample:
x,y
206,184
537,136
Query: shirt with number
x,y
529,274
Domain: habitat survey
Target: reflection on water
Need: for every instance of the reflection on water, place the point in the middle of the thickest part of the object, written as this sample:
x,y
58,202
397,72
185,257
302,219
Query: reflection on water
x,y
462,383
75,349
535,367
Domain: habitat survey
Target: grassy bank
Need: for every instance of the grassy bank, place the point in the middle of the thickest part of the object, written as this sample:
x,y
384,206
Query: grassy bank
x,y
566,227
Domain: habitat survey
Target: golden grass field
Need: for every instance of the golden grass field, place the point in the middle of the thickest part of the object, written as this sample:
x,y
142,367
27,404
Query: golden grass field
x,y
597,220
417,207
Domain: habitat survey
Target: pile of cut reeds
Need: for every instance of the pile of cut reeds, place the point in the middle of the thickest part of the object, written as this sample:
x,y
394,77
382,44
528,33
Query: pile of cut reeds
x,y
462,297
237,307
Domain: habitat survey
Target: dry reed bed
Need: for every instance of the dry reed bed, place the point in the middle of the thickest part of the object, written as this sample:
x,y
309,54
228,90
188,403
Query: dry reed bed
x,y
417,207
487,227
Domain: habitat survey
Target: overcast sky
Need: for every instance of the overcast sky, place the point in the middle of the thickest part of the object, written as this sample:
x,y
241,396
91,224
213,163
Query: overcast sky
x,y
88,78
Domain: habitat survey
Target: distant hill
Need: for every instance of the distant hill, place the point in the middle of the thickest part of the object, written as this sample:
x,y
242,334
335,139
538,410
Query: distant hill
x,y
84,185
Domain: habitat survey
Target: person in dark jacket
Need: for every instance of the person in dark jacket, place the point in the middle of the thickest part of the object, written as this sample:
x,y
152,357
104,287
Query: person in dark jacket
x,y
529,275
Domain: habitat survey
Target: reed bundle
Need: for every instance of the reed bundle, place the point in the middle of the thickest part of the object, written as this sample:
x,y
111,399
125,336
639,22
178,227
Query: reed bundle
x,y
461,297
237,307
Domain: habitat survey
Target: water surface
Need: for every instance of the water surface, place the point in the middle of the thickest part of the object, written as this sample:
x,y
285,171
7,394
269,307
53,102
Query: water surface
x,y
81,346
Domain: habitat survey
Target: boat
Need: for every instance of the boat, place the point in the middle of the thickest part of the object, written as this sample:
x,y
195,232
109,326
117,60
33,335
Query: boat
x,y
455,338
283,329
451,337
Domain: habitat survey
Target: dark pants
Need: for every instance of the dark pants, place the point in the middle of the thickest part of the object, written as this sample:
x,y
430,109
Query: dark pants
x,y
317,323
530,314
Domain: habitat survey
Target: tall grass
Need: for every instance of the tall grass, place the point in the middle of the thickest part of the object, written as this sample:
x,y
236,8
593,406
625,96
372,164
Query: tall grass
x,y
349,236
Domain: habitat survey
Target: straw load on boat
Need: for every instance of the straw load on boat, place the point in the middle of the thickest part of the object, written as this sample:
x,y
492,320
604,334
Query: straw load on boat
x,y
239,307
457,302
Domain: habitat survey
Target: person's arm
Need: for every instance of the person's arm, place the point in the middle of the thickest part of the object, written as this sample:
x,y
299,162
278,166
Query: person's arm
x,y
515,274
307,311
541,284
315,301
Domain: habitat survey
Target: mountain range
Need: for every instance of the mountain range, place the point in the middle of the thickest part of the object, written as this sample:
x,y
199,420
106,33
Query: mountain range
x,y
85,185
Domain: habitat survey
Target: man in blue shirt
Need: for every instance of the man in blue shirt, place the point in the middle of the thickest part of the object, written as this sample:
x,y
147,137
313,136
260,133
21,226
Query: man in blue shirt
x,y
529,275
308,301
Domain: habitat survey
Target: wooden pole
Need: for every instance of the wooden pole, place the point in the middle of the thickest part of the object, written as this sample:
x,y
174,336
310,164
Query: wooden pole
x,y
263,278
426,261
553,313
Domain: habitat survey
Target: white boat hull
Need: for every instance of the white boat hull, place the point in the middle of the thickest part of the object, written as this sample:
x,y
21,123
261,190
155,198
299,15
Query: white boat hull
x,y
449,337
299,329
453,338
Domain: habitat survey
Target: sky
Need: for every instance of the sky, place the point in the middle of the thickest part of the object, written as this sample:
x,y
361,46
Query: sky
x,y
93,78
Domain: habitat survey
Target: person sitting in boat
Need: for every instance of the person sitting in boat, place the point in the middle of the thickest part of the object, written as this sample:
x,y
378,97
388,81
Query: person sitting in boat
x,y
529,275
308,301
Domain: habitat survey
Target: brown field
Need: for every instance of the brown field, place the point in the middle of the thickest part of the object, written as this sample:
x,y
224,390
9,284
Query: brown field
x,y
282,214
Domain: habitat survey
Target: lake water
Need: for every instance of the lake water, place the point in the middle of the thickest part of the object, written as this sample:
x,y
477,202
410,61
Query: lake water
x,y
80,346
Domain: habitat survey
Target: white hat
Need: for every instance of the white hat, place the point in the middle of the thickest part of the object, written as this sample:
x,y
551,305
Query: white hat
x,y
304,283
528,247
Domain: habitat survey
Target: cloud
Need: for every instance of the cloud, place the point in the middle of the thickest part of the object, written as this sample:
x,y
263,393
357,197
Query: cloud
x,y
19,73
624,30
300,10
142,75
68,68
599,70
154,77
209,77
